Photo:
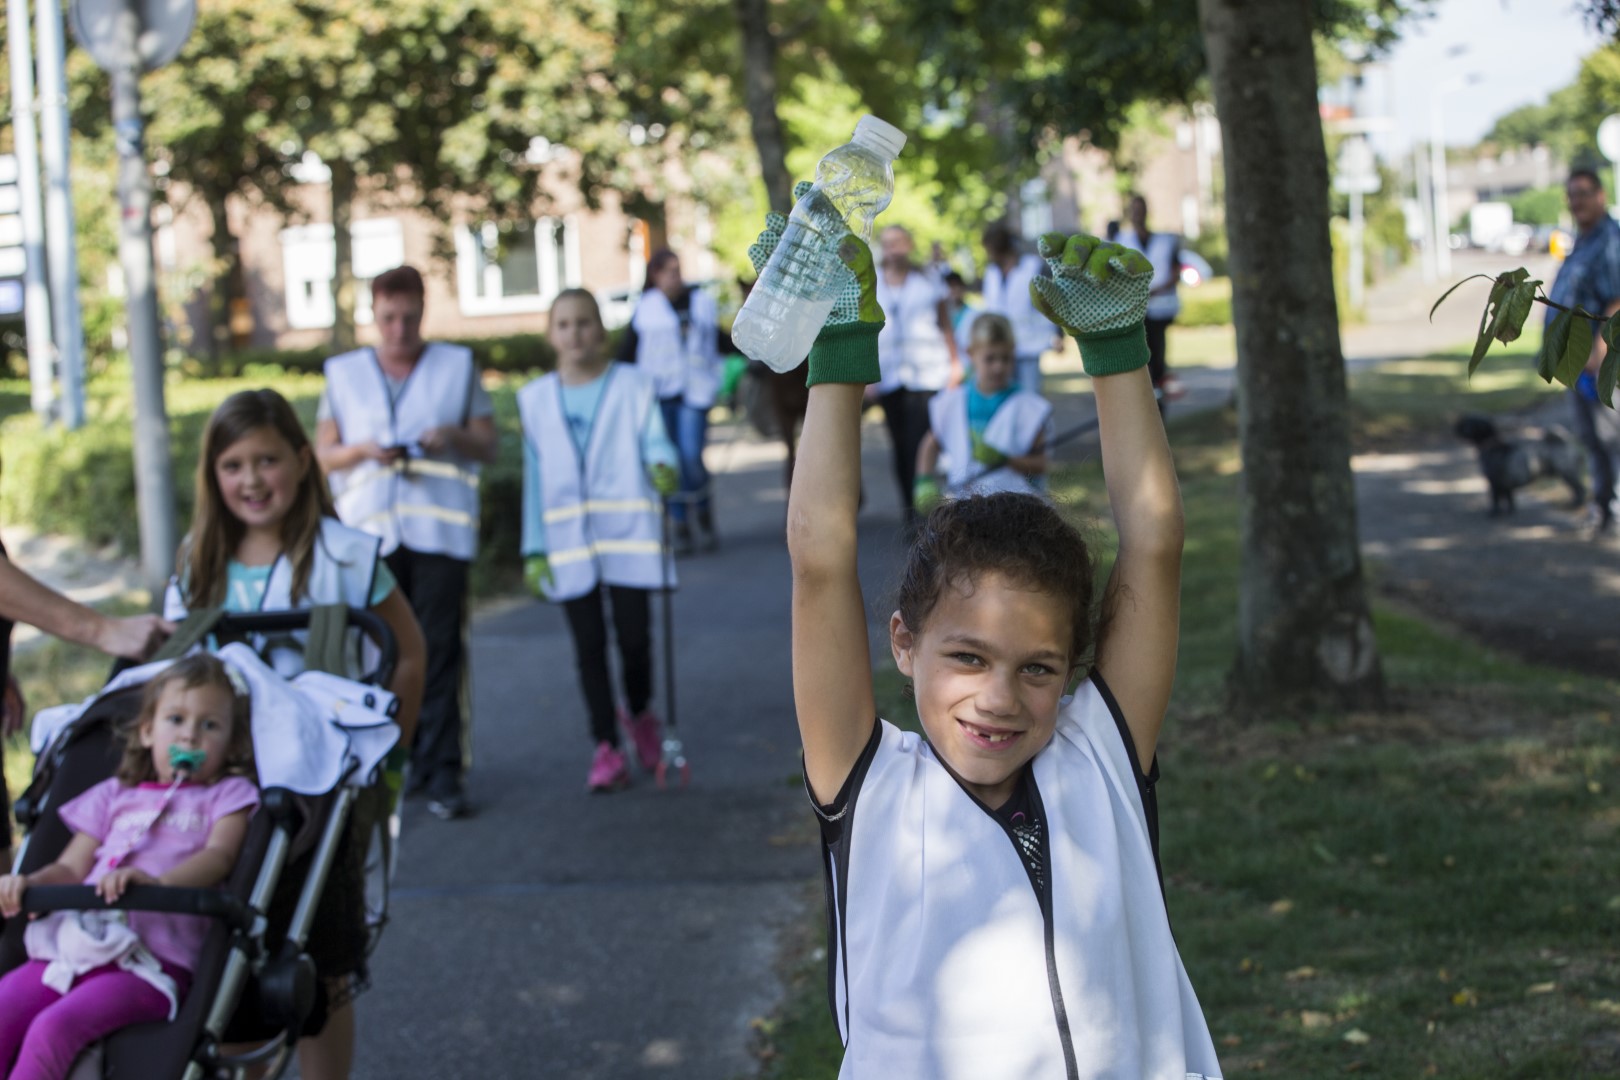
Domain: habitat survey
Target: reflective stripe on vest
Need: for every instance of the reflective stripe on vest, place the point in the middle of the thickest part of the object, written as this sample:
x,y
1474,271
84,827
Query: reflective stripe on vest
x,y
428,504
1012,429
603,518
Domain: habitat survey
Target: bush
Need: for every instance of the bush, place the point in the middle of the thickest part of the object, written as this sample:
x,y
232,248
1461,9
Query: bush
x,y
1209,304
515,354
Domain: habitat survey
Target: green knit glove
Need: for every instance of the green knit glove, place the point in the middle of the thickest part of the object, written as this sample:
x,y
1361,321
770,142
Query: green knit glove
x,y
846,349
925,494
1098,292
985,454
665,480
537,574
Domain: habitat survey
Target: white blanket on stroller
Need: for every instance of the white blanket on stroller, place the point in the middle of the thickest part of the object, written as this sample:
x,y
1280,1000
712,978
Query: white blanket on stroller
x,y
307,732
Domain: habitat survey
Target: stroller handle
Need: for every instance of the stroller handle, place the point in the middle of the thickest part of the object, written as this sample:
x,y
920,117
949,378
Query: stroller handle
x,y
210,903
367,622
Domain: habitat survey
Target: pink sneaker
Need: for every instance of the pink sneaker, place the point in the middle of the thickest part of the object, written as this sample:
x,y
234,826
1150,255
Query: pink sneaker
x,y
647,732
608,769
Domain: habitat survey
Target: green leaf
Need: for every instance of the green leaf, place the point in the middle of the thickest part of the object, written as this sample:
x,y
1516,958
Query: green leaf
x,y
1577,350
1553,344
1607,374
1514,311
1453,289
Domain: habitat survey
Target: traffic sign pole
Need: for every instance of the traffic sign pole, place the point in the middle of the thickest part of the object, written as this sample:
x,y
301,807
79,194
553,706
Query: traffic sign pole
x,y
36,297
60,234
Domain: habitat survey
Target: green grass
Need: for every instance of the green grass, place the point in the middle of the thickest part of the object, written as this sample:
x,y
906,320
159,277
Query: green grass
x,y
1438,878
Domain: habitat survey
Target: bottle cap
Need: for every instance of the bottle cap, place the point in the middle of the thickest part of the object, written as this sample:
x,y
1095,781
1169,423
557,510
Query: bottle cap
x,y
880,135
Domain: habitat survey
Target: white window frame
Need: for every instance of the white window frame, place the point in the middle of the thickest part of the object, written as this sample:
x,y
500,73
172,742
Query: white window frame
x,y
468,236
309,262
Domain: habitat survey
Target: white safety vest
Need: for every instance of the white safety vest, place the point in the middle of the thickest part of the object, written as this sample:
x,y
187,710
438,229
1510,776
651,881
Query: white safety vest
x,y
944,965
344,572
1007,294
1012,429
912,351
602,515
428,504
689,367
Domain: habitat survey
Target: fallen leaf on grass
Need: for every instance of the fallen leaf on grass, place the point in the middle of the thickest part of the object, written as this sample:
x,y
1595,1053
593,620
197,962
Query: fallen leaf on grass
x,y
1231,1040
1246,965
1613,904
1608,1005
1594,787
1542,988
1309,1019
1450,860
1465,996
1379,859
1300,973
1282,907
1357,1037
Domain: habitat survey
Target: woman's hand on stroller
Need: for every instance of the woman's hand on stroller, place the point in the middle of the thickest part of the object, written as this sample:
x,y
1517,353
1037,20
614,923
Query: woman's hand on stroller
x,y
117,881
12,887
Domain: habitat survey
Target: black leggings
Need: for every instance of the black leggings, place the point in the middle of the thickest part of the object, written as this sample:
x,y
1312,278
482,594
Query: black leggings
x,y
632,626
905,412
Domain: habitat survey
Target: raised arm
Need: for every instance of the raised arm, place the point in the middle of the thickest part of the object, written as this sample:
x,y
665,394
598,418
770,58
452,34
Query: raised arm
x,y
1099,294
832,664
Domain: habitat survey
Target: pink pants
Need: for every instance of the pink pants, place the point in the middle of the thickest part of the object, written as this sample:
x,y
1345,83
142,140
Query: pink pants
x,y
42,1032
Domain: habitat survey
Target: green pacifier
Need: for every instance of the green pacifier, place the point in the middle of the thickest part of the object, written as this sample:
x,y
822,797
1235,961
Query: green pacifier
x,y
183,760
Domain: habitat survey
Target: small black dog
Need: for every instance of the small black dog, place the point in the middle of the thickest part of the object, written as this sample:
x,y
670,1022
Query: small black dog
x,y
1510,464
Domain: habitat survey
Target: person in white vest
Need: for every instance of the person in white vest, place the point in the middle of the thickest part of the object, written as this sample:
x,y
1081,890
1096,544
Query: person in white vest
x,y
263,538
596,463
1005,290
997,910
674,336
916,351
990,435
402,431
1163,250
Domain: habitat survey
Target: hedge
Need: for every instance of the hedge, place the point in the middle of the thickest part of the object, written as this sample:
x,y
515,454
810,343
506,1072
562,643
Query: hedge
x,y
1208,304
514,354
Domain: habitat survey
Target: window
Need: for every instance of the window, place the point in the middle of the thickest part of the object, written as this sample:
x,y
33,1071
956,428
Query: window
x,y
309,256
515,268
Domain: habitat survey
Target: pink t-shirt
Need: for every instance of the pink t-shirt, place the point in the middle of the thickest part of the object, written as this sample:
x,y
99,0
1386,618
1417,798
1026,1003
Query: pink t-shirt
x,y
116,815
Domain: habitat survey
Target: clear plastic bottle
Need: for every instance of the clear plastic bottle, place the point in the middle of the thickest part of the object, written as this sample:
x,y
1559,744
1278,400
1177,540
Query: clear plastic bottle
x,y
798,287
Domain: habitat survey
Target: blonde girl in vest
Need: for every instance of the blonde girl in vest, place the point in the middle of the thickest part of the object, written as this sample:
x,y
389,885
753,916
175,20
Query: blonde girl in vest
x,y
990,432
596,461
997,911
264,538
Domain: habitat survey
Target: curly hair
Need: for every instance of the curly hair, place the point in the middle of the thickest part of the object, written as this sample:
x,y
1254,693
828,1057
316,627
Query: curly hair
x,y
1021,537
203,669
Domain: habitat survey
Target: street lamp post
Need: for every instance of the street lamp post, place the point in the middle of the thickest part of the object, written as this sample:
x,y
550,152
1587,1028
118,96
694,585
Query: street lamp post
x,y
1437,171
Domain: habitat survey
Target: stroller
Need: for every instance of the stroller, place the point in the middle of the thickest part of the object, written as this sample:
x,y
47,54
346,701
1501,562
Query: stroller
x,y
244,957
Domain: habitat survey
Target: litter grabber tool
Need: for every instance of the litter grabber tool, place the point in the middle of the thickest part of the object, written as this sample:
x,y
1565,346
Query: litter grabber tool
x,y
672,764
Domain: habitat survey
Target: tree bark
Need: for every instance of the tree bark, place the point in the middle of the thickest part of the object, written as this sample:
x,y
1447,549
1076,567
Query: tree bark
x,y
219,293
759,90
1305,637
343,186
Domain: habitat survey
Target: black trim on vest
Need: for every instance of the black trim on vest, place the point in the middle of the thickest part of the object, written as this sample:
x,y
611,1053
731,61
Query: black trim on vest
x,y
1144,784
835,871
1059,1011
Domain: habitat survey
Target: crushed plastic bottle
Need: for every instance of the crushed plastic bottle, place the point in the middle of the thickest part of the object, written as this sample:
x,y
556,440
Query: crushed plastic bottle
x,y
798,287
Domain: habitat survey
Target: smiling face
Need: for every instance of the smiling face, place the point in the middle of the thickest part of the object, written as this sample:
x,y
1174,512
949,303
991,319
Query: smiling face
x,y
989,668
258,477
191,718
577,334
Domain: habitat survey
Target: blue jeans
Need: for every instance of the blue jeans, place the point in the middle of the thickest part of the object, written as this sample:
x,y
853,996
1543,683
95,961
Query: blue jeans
x,y
688,429
1029,372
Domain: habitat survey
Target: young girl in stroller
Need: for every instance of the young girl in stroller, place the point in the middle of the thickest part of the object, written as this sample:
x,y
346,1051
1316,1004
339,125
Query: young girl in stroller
x,y
175,814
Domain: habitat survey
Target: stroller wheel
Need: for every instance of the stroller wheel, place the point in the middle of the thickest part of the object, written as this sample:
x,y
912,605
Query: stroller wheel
x,y
377,875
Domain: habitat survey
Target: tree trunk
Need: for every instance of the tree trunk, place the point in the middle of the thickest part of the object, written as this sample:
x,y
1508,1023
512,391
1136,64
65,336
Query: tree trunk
x,y
343,272
759,86
1305,637
219,292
